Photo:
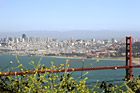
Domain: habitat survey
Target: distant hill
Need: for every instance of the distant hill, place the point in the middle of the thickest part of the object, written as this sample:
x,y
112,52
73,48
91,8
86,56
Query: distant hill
x,y
75,34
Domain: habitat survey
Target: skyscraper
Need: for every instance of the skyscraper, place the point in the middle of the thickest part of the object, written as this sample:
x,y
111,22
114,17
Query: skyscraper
x,y
113,40
24,36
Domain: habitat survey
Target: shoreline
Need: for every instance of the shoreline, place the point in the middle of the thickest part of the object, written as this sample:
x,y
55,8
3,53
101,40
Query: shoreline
x,y
134,60
66,57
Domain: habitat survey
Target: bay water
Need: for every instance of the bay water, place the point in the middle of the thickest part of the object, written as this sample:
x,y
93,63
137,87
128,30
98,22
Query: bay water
x,y
93,76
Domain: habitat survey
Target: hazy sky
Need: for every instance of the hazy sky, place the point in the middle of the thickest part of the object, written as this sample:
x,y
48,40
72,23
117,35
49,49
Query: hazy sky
x,y
26,15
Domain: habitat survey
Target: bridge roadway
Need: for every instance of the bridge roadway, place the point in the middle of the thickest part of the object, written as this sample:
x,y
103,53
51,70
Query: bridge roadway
x,y
68,70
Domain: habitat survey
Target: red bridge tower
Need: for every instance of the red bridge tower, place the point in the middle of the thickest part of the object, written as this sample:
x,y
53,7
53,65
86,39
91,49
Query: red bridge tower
x,y
129,58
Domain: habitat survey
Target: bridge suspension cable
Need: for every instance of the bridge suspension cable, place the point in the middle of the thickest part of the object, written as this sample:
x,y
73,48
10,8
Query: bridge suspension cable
x,y
68,70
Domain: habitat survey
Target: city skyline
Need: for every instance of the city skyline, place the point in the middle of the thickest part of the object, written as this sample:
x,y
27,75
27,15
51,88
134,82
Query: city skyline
x,y
25,37
54,47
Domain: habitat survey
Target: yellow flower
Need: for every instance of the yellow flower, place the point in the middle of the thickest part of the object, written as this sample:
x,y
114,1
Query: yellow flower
x,y
19,90
125,79
62,64
97,60
86,72
0,72
86,78
41,76
83,60
15,73
18,61
83,86
81,82
67,60
32,62
53,66
115,85
64,79
71,78
11,62
16,56
26,87
52,62
53,78
21,69
44,52
73,69
48,69
20,65
50,78
48,86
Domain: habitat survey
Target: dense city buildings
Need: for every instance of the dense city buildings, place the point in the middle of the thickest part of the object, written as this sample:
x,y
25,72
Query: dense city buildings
x,y
54,47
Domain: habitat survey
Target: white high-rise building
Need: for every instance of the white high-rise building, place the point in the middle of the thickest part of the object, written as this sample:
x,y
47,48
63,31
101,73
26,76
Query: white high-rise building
x,y
16,40
113,40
